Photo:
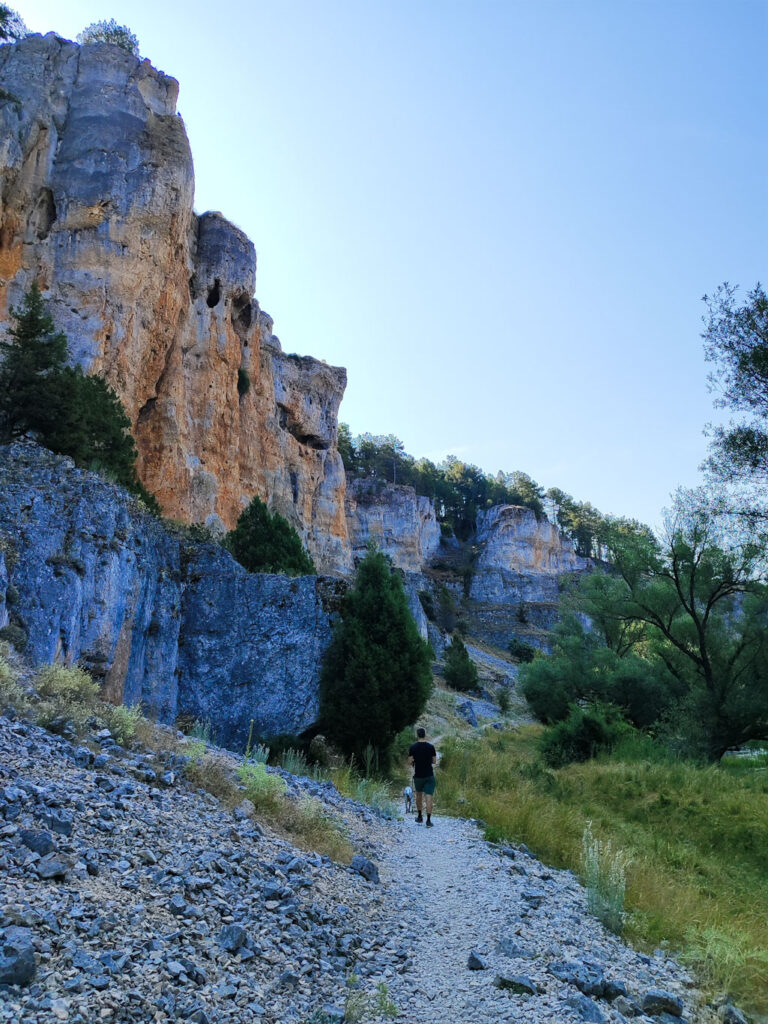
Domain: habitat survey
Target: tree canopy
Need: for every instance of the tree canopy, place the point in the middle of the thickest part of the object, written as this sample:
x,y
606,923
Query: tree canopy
x,y
736,342
376,676
676,630
110,32
265,541
459,490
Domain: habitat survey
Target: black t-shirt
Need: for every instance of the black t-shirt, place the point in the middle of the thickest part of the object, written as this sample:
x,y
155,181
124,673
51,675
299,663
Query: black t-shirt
x,y
422,754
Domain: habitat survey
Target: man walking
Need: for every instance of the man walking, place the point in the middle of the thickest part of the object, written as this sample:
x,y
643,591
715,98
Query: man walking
x,y
423,757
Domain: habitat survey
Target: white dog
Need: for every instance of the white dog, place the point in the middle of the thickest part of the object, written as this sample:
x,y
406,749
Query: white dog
x,y
408,797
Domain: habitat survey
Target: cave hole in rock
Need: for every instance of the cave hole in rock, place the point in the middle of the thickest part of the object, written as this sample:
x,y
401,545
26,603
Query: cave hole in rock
x,y
146,411
214,294
43,215
295,487
242,316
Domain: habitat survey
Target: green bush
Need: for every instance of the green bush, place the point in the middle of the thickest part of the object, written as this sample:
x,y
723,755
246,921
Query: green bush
x,y
459,671
583,734
446,609
14,635
503,700
110,32
522,651
67,683
122,722
265,541
262,789
428,604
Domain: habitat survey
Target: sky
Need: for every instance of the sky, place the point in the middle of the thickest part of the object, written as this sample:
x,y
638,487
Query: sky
x,y
499,215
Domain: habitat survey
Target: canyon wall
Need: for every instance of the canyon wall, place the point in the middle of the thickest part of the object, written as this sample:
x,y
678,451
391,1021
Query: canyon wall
x,y
179,626
400,522
520,557
96,203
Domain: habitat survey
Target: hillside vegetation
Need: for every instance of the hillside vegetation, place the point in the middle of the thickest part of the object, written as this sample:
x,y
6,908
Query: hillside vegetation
x,y
694,840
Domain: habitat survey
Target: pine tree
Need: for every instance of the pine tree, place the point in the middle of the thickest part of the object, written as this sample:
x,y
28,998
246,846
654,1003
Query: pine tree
x,y
376,675
66,411
459,671
31,360
265,541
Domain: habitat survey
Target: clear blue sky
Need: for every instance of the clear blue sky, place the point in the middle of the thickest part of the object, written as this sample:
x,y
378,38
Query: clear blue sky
x,y
499,216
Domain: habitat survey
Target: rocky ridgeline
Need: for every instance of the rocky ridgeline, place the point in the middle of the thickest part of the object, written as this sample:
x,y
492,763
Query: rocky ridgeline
x,y
128,897
157,619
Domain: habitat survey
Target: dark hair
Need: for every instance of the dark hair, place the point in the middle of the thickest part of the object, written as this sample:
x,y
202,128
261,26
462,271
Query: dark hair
x,y
421,733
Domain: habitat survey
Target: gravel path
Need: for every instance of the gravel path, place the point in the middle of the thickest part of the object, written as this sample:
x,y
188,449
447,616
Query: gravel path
x,y
450,895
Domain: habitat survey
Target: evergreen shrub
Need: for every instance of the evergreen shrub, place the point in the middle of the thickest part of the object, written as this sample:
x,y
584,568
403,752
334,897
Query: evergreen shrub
x,y
265,541
459,670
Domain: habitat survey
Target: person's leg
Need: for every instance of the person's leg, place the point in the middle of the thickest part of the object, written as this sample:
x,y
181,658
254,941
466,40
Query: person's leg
x,y
419,787
429,789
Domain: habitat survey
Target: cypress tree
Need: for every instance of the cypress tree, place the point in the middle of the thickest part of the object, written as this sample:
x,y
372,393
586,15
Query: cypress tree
x,y
459,671
376,676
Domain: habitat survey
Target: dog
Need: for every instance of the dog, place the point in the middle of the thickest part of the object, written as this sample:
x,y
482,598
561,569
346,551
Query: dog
x,y
408,797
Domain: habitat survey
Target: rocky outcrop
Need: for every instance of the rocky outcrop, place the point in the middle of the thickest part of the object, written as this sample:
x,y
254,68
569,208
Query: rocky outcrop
x,y
96,203
520,557
399,521
178,626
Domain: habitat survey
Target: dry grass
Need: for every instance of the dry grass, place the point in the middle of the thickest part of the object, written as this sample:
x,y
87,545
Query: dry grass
x,y
311,828
12,693
214,773
695,839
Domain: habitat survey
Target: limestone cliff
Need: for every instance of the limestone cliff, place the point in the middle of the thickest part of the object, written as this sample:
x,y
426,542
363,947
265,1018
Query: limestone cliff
x,y
96,202
520,557
157,619
400,522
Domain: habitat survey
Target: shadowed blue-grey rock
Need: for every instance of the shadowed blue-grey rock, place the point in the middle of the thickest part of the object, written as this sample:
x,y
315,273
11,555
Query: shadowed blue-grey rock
x,y
178,626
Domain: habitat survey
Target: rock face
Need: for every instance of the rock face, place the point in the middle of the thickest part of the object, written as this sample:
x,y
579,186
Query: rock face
x,y
157,619
96,201
402,523
520,557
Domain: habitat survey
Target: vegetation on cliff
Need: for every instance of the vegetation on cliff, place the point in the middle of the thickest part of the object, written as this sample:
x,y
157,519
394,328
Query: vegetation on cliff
x,y
11,25
376,676
67,411
460,490
459,670
110,32
264,541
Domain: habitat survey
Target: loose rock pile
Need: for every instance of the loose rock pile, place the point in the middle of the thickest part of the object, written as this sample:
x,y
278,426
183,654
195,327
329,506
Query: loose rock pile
x,y
128,897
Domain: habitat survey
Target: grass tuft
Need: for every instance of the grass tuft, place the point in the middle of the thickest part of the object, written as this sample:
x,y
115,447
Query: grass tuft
x,y
605,876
